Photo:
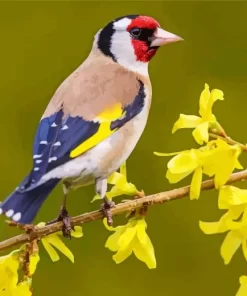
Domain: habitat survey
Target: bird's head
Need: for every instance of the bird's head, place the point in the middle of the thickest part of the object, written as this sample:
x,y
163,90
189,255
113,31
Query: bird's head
x,y
133,40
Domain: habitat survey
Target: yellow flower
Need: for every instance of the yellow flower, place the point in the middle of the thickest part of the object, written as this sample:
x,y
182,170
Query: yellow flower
x,y
9,266
230,196
216,159
235,201
207,119
129,238
237,235
22,289
221,162
121,185
53,240
33,261
243,288
184,164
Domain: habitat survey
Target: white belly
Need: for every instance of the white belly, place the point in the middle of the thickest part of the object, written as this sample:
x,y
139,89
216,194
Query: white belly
x,y
106,157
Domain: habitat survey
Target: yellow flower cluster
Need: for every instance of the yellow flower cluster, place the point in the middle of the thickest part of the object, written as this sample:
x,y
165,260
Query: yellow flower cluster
x,y
132,237
9,279
234,200
11,264
215,159
234,222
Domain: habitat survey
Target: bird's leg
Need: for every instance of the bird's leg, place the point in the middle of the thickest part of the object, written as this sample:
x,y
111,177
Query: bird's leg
x,y
101,188
63,215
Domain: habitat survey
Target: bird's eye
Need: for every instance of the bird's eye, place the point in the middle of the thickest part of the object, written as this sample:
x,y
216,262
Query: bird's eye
x,y
135,32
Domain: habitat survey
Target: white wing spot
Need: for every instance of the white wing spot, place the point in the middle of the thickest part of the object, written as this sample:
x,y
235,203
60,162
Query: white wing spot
x,y
57,144
44,142
1,211
38,161
9,213
52,159
37,156
54,124
36,169
17,217
64,127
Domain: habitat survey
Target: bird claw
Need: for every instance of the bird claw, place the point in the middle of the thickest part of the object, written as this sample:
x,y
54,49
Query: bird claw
x,y
106,210
65,218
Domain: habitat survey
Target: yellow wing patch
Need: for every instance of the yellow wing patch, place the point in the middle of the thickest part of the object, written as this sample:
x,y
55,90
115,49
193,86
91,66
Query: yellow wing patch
x,y
105,118
110,114
103,132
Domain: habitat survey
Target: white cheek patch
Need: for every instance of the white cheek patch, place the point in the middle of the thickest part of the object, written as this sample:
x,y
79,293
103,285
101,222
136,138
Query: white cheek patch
x,y
122,48
122,24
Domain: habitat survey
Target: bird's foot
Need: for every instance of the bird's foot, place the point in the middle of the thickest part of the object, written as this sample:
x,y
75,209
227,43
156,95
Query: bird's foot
x,y
106,210
65,218
67,227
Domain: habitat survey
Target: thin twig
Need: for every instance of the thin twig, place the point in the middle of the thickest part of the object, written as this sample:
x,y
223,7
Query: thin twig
x,y
121,208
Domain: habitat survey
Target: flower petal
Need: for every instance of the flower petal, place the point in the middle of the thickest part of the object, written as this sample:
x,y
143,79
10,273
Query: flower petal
x,y
230,245
200,133
221,162
115,178
186,121
183,162
96,197
203,101
243,288
244,248
167,154
126,237
231,196
215,227
236,211
22,289
112,241
195,187
122,254
57,243
145,252
216,94
77,232
33,261
141,231
174,178
50,250
110,228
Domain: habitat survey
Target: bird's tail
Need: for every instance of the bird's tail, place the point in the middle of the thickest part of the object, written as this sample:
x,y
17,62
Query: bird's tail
x,y
23,206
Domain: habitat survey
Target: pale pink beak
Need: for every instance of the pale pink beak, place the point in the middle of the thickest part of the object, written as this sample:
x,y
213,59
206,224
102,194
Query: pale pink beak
x,y
162,37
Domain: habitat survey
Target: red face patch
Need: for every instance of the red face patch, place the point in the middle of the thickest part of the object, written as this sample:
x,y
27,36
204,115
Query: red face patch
x,y
142,51
143,22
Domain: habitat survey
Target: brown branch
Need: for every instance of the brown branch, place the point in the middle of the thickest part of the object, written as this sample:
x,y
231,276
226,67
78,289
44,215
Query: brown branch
x,y
121,208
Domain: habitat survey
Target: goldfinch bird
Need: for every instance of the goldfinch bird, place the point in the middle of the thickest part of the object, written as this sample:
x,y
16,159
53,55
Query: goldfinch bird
x,y
95,118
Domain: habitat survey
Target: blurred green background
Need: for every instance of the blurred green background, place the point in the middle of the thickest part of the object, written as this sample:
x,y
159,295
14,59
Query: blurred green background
x,y
41,44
